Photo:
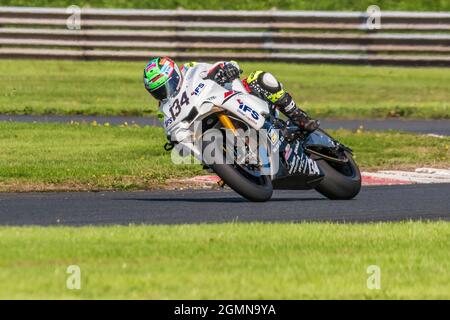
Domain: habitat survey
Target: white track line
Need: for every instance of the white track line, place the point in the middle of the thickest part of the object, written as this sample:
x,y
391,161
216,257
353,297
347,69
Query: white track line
x,y
420,175
383,177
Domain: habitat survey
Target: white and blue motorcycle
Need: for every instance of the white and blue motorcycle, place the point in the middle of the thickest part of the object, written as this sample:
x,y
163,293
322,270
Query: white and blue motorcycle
x,y
287,158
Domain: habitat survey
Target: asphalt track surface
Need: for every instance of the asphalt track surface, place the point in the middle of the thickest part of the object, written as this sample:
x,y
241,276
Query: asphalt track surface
x,y
373,204
439,127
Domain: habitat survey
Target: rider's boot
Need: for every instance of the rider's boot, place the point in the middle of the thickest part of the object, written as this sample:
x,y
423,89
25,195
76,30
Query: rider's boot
x,y
288,107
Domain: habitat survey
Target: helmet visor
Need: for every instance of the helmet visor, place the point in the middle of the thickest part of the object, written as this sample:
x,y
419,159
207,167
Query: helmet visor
x,y
166,82
174,83
160,93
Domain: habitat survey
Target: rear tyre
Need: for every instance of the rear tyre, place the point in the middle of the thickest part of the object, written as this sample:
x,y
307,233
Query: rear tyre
x,y
341,181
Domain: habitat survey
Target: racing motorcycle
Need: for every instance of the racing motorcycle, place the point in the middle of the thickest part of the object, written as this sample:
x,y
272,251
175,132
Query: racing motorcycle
x,y
285,158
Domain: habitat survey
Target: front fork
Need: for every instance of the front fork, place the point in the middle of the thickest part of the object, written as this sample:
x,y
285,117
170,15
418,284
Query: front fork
x,y
227,123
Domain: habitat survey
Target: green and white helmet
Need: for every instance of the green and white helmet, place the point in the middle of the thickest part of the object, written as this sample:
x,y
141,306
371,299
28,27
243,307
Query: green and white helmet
x,y
162,78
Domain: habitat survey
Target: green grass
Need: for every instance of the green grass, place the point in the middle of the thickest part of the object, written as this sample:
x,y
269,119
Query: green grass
x,y
228,261
355,5
64,156
74,156
115,88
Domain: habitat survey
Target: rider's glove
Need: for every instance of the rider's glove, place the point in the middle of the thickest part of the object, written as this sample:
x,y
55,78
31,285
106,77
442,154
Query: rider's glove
x,y
231,70
226,72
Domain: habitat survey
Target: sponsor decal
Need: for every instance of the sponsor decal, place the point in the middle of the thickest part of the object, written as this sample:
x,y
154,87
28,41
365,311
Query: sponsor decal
x,y
246,110
299,163
198,90
272,133
287,152
154,79
227,95
168,122
313,168
167,69
275,138
303,164
150,66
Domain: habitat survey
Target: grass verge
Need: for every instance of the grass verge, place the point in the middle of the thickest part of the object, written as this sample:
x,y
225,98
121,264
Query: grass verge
x,y
115,88
89,157
230,261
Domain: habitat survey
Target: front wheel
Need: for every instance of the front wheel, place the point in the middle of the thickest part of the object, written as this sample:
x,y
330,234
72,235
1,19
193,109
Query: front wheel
x,y
342,181
247,180
256,189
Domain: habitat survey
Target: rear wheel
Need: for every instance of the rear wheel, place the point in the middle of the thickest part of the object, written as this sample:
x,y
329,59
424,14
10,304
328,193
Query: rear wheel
x,y
342,181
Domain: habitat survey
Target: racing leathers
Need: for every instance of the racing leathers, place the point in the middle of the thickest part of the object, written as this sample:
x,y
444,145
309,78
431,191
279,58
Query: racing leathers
x,y
264,85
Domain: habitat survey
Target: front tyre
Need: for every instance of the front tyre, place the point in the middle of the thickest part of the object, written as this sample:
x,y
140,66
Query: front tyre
x,y
258,189
246,180
341,181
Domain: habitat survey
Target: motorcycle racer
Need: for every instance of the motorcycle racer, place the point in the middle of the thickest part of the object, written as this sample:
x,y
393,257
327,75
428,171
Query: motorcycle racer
x,y
163,79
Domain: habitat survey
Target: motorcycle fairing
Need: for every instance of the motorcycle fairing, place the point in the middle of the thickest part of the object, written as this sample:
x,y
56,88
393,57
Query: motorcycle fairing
x,y
320,139
205,95
298,171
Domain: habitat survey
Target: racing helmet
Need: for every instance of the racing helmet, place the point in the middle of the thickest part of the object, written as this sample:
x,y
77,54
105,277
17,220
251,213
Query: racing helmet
x,y
162,78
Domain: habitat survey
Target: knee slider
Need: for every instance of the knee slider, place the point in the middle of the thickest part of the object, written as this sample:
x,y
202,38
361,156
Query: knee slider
x,y
266,85
269,82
